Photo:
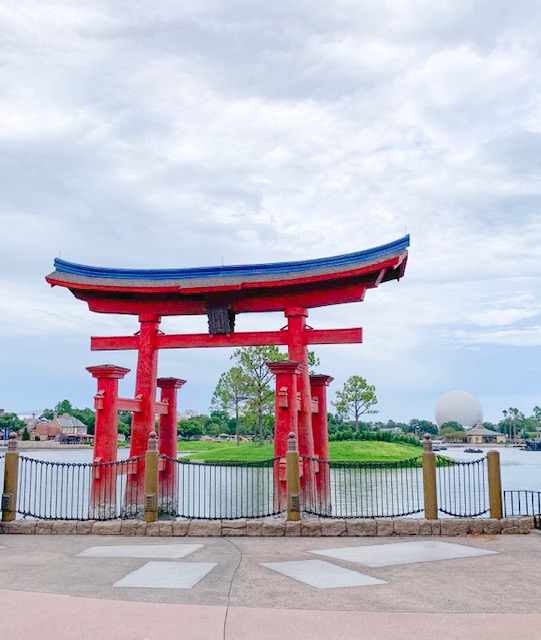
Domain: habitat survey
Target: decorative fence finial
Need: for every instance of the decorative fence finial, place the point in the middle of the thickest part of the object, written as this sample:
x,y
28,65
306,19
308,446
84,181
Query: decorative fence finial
x,y
427,444
291,441
12,442
153,441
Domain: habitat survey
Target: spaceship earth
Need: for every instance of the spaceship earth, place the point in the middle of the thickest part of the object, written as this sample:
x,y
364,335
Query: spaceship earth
x,y
459,406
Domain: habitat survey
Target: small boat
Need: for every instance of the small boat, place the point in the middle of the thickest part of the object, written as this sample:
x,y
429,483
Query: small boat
x,y
473,450
532,445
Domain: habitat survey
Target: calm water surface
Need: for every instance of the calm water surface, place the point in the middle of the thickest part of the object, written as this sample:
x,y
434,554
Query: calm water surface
x,y
520,469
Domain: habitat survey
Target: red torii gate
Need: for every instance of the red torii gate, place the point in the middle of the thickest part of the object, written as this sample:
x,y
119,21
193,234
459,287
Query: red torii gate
x,y
221,293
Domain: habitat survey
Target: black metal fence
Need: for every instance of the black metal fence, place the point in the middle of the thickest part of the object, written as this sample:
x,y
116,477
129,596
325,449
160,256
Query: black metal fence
x,y
523,503
462,487
362,490
62,491
106,491
224,490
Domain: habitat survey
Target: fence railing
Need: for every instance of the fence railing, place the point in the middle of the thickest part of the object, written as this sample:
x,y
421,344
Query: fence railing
x,y
362,490
157,485
462,487
523,503
65,491
219,491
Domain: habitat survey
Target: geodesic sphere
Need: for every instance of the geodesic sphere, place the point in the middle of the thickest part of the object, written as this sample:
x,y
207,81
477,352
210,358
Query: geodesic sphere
x,y
459,406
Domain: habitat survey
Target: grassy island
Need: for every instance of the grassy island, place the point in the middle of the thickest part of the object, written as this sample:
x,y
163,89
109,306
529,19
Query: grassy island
x,y
344,451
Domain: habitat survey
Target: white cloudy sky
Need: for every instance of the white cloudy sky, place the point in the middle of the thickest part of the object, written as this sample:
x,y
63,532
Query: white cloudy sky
x,y
180,133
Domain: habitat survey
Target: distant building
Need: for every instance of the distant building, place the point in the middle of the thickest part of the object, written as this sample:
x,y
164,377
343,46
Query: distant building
x,y
480,435
64,428
395,430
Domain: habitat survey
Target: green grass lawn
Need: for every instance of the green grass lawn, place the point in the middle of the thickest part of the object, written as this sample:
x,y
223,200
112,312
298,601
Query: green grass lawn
x,y
346,451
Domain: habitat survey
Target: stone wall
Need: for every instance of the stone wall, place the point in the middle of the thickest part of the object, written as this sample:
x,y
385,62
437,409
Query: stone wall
x,y
277,526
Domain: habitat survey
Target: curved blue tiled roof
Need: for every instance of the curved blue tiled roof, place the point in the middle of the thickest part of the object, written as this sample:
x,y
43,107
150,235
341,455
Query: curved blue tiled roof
x,y
278,268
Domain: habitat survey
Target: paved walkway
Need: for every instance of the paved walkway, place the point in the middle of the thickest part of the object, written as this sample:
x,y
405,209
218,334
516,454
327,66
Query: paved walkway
x,y
67,587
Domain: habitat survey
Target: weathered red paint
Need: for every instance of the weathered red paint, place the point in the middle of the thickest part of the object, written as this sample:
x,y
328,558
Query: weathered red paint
x,y
143,422
175,305
103,488
145,384
167,444
246,339
318,385
167,436
286,415
298,352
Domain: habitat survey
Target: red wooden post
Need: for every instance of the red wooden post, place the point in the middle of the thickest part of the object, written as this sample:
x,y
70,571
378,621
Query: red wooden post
x,y
286,419
103,489
167,445
298,351
143,422
319,384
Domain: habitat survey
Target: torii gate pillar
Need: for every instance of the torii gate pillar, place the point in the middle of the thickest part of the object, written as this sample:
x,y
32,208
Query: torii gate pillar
x,y
167,445
318,385
145,384
143,421
287,375
298,352
103,489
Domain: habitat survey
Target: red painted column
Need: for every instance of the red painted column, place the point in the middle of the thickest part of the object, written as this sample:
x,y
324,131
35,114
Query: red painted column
x,y
319,384
167,445
143,422
298,352
103,488
286,419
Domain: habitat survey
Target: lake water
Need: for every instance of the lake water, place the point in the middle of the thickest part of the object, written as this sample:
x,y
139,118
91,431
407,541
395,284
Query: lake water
x,y
520,469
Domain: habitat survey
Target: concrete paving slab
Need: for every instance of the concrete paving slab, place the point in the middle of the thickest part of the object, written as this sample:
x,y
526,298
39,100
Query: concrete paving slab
x,y
321,575
388,555
167,575
166,551
503,583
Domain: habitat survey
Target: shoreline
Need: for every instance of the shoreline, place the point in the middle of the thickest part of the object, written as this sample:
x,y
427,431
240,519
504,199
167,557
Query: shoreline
x,y
29,445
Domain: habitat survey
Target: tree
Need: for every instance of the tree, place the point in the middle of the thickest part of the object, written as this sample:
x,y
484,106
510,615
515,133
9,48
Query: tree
x,y
64,406
231,393
356,398
420,427
512,421
313,361
190,428
452,426
536,417
252,362
11,421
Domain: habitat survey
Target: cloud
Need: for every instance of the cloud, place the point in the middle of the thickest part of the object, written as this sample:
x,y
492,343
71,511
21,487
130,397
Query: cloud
x,y
186,134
